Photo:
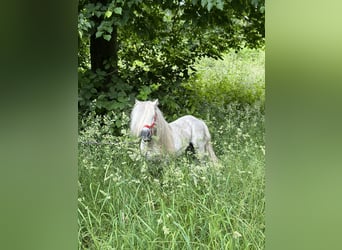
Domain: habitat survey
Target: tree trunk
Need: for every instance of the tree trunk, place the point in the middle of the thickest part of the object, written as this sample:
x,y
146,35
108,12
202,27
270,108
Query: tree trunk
x,y
102,50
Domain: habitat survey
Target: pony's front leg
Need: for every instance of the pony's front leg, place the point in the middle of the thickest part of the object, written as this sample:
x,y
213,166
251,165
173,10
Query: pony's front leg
x,y
149,150
144,149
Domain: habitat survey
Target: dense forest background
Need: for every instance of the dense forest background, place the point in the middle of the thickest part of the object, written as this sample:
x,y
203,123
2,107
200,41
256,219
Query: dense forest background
x,y
147,49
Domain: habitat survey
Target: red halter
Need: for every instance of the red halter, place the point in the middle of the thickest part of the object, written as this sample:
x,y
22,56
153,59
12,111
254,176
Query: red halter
x,y
153,122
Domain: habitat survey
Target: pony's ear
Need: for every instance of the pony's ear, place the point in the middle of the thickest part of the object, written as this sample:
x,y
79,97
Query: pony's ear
x,y
156,102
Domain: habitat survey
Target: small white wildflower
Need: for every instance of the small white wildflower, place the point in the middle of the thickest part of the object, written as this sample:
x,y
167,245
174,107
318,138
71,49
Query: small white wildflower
x,y
166,230
135,181
236,234
117,178
108,177
150,203
159,221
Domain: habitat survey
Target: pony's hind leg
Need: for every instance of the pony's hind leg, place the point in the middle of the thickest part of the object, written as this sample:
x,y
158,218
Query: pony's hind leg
x,y
204,151
190,151
210,152
200,152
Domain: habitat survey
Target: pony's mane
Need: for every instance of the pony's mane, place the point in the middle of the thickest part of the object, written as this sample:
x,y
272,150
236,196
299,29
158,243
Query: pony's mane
x,y
164,132
142,114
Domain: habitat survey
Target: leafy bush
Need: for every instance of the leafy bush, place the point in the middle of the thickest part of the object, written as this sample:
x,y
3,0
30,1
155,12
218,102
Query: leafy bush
x,y
147,49
238,78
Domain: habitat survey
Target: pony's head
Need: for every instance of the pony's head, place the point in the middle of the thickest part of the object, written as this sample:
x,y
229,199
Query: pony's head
x,y
143,119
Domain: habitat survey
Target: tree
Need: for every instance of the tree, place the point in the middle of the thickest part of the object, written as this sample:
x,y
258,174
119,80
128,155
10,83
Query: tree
x,y
147,48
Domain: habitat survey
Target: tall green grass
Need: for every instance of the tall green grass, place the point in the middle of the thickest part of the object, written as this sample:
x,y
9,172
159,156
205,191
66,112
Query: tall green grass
x,y
239,78
126,202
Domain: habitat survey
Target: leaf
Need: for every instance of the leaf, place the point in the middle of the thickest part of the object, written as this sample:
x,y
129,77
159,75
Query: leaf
x,y
255,3
262,9
107,37
138,63
99,34
108,13
210,5
109,29
118,10
101,97
122,99
98,13
219,4
204,3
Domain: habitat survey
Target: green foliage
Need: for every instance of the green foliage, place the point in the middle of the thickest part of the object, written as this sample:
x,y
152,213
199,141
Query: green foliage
x,y
209,4
238,78
126,202
158,44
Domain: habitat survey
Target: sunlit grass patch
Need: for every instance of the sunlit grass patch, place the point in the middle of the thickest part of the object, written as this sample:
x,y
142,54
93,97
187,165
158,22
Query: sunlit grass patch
x,y
239,77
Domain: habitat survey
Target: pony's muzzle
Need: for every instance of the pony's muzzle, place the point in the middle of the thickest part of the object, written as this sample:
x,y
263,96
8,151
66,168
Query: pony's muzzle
x,y
146,134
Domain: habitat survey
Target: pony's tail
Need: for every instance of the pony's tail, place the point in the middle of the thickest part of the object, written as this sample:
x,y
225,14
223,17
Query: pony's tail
x,y
209,148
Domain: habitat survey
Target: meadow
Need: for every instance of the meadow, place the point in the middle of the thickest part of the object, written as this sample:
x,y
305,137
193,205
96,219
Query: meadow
x,y
126,202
